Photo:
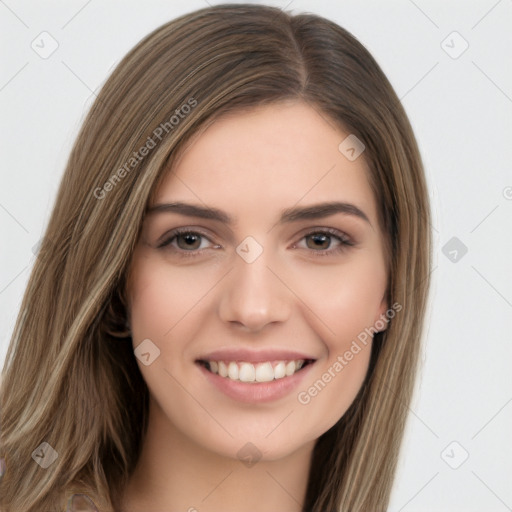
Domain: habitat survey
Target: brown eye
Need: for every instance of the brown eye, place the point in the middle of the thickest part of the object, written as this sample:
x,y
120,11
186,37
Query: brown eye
x,y
188,241
318,241
325,242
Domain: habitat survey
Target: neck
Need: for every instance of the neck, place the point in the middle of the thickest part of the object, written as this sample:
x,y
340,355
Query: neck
x,y
176,474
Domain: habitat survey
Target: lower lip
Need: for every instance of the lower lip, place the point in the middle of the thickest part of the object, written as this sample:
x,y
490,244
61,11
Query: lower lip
x,y
257,392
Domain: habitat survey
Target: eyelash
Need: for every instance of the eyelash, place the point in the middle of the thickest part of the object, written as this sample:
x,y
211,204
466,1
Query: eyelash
x,y
345,241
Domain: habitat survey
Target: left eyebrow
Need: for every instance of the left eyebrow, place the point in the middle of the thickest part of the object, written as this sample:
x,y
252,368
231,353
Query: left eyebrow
x,y
321,210
294,214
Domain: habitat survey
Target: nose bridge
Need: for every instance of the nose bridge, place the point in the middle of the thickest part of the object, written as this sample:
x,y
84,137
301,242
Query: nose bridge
x,y
252,295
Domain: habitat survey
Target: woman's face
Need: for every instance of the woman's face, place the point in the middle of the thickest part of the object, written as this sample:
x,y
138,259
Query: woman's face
x,y
277,271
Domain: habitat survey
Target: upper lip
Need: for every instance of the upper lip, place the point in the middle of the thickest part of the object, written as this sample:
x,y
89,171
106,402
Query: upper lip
x,y
254,356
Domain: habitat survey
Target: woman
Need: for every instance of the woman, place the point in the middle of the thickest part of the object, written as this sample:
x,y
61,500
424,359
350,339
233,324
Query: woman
x,y
226,310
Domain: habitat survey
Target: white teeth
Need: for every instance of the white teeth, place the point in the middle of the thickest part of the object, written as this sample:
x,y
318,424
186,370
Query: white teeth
x,y
264,372
233,371
246,373
290,368
260,372
280,370
223,369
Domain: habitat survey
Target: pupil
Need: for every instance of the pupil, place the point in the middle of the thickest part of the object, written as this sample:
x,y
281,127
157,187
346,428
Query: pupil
x,y
321,241
190,240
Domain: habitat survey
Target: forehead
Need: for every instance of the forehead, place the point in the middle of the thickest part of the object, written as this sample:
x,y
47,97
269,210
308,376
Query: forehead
x,y
272,157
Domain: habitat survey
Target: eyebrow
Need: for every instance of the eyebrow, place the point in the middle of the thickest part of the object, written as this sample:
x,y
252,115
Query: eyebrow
x,y
294,214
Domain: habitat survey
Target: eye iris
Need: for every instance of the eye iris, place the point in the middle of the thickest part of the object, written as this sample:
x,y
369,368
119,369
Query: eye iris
x,y
192,241
321,241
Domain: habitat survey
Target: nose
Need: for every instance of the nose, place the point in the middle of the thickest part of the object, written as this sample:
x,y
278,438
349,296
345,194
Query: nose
x,y
253,295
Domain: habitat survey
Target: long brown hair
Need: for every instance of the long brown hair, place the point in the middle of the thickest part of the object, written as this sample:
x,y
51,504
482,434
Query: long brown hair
x,y
70,378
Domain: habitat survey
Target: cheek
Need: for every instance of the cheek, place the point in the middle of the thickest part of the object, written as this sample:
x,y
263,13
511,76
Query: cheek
x,y
343,305
345,299
162,297
166,306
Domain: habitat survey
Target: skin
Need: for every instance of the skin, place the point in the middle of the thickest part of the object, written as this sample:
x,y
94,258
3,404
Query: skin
x,y
252,166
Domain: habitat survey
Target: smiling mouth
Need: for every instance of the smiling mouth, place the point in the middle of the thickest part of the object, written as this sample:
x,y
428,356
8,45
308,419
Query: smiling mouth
x,y
268,371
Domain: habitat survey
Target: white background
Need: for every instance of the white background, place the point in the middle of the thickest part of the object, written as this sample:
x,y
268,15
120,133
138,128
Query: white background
x,y
460,109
